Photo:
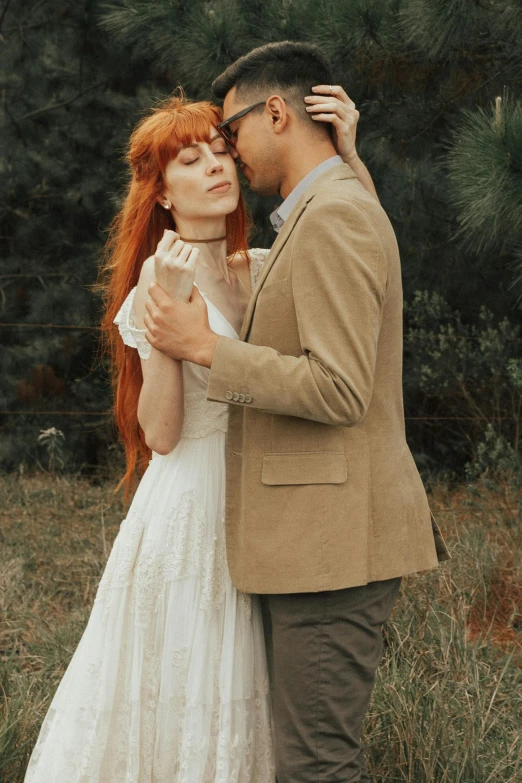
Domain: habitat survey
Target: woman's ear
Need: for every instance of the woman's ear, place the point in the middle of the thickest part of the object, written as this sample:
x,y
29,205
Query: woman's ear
x,y
164,202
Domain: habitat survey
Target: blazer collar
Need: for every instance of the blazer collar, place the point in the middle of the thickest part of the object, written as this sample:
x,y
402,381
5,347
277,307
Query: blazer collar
x,y
342,171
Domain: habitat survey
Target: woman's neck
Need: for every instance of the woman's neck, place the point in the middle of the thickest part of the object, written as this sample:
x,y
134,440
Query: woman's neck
x,y
212,254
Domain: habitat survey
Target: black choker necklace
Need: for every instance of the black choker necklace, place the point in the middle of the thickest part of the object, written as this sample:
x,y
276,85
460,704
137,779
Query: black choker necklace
x,y
204,241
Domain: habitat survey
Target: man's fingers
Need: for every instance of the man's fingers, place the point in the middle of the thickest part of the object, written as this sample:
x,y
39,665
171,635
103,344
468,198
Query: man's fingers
x,y
195,295
150,315
158,295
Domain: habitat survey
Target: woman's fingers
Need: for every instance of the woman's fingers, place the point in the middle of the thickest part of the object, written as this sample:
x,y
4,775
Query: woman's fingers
x,y
166,241
193,257
322,103
347,118
182,253
331,106
176,248
335,90
333,118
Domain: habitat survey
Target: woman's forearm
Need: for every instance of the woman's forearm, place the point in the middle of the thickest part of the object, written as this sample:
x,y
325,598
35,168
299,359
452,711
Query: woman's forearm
x,y
362,174
160,407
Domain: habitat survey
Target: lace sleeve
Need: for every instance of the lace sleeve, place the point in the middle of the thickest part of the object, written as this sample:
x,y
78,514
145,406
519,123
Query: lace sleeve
x,y
130,334
257,259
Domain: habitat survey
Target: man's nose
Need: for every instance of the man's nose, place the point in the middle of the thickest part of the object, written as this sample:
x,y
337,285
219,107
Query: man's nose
x,y
234,152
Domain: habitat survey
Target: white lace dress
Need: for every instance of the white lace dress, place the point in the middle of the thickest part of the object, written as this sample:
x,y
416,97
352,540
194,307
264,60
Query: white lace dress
x,y
169,682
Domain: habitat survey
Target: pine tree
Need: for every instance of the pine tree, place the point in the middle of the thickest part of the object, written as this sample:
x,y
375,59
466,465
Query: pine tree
x,y
68,109
425,75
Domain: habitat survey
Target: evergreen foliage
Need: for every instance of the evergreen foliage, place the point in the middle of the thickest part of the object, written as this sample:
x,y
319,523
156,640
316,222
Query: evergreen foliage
x,y
447,162
485,172
69,106
471,374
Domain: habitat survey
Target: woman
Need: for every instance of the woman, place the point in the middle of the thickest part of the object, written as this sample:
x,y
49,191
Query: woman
x,y
169,681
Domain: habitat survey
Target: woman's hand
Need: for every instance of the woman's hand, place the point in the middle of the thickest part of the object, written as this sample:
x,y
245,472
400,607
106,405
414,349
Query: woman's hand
x,y
332,104
175,266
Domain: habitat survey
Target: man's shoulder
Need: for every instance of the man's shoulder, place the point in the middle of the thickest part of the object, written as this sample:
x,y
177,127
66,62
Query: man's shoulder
x,y
347,200
344,193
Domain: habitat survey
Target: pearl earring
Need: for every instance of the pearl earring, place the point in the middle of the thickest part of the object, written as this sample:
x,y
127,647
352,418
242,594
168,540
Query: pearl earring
x,y
166,205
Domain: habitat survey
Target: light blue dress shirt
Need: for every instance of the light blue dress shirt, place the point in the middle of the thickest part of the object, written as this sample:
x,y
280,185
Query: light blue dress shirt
x,y
279,215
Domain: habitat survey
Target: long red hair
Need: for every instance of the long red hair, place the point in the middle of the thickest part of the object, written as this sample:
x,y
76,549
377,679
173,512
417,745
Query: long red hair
x,y
133,237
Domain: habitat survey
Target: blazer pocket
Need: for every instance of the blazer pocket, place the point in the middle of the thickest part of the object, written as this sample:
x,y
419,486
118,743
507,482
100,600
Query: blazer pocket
x,y
312,467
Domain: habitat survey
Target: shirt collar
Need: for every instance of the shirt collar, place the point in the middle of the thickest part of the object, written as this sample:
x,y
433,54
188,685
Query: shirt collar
x,y
279,215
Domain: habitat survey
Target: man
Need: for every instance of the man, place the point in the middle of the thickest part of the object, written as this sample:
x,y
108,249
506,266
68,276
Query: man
x,y
325,507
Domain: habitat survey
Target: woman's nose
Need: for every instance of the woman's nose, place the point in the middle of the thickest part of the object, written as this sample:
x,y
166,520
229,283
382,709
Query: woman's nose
x,y
215,165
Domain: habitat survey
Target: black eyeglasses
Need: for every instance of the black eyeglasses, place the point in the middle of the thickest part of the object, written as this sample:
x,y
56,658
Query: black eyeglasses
x,y
224,129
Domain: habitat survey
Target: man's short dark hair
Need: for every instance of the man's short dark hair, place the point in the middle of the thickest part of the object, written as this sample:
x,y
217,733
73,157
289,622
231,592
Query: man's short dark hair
x,y
288,67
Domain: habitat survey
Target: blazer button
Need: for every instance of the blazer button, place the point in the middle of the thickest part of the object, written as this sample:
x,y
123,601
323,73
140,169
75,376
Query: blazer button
x,y
248,398
241,398
235,396
229,395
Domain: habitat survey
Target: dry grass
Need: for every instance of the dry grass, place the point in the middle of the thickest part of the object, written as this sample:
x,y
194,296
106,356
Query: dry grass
x,y
447,706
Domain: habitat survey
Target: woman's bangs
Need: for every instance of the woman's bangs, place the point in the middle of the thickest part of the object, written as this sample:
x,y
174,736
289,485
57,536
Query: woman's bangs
x,y
187,126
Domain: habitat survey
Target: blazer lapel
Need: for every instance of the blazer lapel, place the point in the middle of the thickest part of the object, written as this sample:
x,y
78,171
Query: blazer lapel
x,y
342,171
276,248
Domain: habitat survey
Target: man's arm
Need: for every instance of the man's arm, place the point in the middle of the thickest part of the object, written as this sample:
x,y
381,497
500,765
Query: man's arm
x,y
338,283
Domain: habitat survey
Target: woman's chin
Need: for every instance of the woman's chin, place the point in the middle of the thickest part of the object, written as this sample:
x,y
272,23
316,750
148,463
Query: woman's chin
x,y
228,204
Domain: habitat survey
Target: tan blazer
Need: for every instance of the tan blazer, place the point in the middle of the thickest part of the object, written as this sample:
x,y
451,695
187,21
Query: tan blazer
x,y
322,490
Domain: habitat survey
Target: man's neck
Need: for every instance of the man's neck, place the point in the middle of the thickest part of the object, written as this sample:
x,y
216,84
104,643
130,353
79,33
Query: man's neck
x,y
301,161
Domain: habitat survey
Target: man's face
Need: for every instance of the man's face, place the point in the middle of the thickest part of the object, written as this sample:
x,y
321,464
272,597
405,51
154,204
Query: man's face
x,y
256,152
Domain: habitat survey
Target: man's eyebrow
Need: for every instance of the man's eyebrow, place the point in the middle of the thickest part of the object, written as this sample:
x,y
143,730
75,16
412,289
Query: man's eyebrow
x,y
197,143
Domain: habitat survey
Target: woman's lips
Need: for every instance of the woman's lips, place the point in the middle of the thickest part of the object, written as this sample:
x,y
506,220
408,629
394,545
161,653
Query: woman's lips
x,y
222,187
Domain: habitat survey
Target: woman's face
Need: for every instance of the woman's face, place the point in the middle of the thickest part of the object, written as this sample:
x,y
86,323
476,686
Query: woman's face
x,y
201,181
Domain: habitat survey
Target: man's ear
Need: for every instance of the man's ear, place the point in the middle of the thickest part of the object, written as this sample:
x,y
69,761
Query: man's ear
x,y
278,111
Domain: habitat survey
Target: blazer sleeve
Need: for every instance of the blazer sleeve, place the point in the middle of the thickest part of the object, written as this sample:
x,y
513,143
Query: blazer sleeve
x,y
338,279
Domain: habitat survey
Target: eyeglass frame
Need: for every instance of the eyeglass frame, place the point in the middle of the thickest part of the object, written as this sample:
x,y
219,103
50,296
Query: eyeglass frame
x,y
222,127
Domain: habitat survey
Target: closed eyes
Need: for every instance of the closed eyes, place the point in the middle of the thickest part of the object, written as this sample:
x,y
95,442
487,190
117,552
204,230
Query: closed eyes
x,y
218,152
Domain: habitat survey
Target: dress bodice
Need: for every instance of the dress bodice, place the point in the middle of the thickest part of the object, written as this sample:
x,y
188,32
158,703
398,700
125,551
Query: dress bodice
x,y
200,416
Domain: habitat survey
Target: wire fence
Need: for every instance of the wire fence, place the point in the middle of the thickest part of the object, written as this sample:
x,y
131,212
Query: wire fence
x,y
97,328
93,328
407,418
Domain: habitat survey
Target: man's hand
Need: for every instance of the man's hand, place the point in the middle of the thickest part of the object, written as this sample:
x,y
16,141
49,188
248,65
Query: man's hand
x,y
180,330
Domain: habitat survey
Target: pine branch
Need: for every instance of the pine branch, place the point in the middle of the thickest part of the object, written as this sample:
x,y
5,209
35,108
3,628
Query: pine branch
x,y
68,102
4,12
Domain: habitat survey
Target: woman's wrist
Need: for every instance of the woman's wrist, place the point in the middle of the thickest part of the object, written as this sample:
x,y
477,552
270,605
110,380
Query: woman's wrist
x,y
353,156
165,357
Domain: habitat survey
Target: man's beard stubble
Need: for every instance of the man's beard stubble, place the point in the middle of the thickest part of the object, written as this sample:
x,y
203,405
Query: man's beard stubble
x,y
263,179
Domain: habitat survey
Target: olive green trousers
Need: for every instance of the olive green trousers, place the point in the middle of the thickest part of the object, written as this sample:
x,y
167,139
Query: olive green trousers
x,y
323,651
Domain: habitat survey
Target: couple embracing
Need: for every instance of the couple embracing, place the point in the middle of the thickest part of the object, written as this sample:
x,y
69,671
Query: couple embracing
x,y
238,624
